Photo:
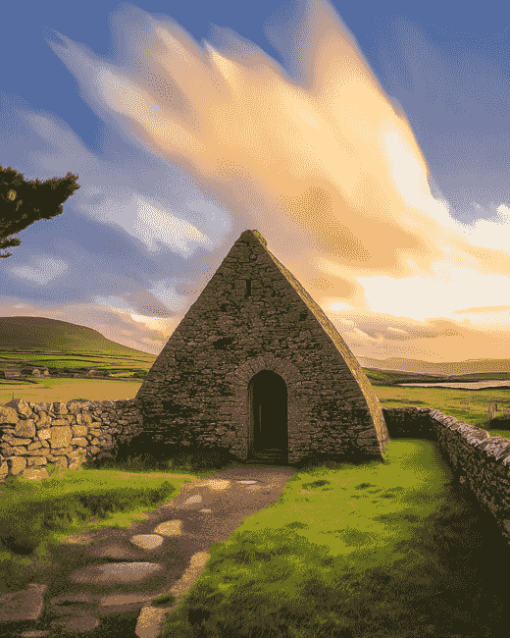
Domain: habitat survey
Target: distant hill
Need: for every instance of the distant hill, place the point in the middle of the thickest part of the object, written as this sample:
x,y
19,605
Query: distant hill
x,y
470,366
39,334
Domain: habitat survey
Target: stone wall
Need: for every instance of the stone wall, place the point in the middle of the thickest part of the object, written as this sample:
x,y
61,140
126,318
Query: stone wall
x,y
34,434
477,459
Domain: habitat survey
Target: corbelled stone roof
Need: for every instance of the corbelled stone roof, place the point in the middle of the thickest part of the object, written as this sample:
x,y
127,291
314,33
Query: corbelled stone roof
x,y
330,329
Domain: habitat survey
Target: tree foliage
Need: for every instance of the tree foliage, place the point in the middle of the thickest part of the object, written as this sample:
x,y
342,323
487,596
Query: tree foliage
x,y
24,202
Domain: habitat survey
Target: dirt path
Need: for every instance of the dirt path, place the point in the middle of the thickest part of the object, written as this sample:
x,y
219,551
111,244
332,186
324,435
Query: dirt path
x,y
206,511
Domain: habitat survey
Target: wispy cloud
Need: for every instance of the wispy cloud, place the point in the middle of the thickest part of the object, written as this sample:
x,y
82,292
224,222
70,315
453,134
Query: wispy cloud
x,y
205,140
44,271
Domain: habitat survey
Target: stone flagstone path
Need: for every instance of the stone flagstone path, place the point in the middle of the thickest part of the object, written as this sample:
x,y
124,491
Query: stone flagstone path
x,y
117,571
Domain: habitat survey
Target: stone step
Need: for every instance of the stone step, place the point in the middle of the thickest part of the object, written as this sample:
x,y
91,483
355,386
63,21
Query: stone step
x,y
269,461
268,457
111,574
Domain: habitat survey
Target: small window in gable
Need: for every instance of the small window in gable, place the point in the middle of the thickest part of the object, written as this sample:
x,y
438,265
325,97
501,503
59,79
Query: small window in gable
x,y
248,288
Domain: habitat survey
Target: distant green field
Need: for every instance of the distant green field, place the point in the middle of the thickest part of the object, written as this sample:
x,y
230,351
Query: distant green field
x,y
393,377
65,390
472,406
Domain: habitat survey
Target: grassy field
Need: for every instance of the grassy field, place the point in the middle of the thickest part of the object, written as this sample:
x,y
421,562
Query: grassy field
x,y
55,389
472,406
374,550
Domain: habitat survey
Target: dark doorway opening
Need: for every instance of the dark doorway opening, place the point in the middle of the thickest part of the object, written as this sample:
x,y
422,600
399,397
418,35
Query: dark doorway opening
x,y
267,395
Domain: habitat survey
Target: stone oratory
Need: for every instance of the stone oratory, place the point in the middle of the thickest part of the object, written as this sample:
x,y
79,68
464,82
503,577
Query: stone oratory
x,y
256,367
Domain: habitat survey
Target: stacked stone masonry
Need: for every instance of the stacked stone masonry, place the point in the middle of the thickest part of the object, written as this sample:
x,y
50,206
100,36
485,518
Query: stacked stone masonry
x,y
35,434
479,460
254,316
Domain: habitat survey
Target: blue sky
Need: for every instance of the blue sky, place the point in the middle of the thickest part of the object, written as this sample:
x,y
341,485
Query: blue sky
x,y
398,155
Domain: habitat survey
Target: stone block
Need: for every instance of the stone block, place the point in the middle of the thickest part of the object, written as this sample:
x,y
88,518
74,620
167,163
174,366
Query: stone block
x,y
61,461
43,417
35,474
73,408
36,460
16,464
22,605
25,428
20,406
59,422
113,574
81,442
11,440
42,435
80,430
4,468
8,415
34,446
77,454
19,450
83,418
60,408
60,436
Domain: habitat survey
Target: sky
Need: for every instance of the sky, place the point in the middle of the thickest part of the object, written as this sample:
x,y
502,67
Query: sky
x,y
368,143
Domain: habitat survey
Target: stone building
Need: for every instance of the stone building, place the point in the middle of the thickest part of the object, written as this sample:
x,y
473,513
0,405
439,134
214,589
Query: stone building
x,y
257,368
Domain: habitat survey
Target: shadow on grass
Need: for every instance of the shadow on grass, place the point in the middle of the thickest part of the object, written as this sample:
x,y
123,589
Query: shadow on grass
x,y
441,575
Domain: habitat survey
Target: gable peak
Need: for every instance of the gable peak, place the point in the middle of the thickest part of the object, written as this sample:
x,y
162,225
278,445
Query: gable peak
x,y
252,236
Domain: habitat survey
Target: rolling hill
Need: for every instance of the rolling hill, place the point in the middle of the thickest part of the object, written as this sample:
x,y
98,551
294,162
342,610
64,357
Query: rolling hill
x,y
39,334
470,366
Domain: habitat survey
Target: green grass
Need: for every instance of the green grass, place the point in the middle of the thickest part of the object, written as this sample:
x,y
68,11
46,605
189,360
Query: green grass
x,y
351,551
36,517
163,600
54,389
471,406
375,550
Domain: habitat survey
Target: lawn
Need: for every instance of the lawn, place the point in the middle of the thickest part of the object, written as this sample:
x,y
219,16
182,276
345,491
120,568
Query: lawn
x,y
375,550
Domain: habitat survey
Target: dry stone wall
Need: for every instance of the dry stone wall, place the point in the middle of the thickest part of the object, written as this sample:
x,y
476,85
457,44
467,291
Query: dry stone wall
x,y
35,434
479,460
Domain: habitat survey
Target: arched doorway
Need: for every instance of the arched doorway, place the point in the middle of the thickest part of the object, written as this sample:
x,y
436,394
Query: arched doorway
x,y
267,398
